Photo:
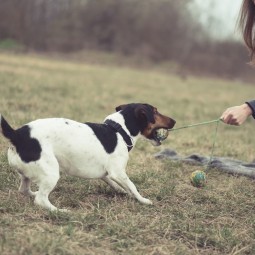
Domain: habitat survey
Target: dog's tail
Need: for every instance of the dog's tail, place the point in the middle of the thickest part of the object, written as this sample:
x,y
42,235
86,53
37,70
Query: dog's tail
x,y
5,128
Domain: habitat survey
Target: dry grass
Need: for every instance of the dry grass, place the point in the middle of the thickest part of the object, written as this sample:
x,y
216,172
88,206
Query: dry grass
x,y
218,219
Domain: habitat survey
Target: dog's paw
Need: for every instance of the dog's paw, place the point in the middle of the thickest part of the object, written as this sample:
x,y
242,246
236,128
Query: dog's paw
x,y
146,201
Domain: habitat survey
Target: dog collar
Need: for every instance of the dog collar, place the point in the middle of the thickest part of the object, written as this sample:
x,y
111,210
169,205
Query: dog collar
x,y
118,128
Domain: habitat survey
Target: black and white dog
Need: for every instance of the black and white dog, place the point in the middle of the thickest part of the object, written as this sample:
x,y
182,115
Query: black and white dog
x,y
44,147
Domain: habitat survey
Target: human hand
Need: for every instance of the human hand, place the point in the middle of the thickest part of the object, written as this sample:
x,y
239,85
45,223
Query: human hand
x,y
236,115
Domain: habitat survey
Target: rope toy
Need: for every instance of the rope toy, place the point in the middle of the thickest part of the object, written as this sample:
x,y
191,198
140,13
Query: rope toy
x,y
198,177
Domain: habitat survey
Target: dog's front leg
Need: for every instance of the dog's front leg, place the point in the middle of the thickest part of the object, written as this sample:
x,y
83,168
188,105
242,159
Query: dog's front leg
x,y
122,179
114,185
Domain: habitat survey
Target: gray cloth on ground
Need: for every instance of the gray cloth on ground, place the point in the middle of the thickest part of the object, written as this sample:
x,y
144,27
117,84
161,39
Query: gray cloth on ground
x,y
232,166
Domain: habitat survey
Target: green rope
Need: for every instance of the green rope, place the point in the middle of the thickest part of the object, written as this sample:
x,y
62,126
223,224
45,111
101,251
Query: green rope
x,y
195,125
214,137
214,141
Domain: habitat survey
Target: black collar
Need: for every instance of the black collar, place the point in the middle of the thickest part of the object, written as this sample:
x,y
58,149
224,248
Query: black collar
x,y
118,128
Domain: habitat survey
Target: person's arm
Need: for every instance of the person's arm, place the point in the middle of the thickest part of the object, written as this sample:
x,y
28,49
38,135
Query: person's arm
x,y
237,115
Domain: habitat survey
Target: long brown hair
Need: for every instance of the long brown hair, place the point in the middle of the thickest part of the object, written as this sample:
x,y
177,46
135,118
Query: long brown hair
x,y
247,25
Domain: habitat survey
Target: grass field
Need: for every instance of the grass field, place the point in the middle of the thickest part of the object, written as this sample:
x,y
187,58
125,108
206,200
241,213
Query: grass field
x,y
218,219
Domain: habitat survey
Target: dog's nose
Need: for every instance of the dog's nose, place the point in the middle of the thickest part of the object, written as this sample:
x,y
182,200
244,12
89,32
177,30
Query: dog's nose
x,y
172,123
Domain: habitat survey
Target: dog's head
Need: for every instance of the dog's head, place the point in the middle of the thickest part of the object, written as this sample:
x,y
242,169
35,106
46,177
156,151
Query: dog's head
x,y
147,120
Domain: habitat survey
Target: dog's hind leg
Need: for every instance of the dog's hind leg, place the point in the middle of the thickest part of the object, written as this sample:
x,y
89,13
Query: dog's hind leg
x,y
24,187
46,185
47,180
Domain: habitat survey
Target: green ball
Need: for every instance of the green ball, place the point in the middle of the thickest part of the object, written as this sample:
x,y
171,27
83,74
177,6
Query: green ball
x,y
198,178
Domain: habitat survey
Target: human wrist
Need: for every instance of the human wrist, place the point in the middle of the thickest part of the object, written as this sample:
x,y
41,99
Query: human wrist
x,y
247,109
251,106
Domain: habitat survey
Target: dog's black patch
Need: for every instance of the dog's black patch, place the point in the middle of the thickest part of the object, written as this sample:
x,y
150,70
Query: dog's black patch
x,y
131,124
28,148
106,135
67,123
133,121
118,128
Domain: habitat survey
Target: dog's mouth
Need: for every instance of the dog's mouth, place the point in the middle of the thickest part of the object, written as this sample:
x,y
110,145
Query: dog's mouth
x,y
159,135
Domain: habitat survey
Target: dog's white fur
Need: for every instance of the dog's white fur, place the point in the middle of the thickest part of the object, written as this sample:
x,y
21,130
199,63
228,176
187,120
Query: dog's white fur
x,y
74,150
45,147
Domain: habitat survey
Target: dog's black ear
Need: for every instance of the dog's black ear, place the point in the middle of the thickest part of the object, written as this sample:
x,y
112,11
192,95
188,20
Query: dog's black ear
x,y
145,113
120,107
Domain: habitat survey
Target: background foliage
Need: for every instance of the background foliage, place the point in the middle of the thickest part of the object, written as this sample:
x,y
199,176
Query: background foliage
x,y
157,30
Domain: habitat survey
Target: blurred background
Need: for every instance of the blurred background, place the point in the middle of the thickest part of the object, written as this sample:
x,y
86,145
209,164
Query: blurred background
x,y
186,36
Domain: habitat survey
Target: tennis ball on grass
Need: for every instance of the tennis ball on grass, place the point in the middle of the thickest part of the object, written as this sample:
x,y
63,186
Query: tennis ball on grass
x,y
198,178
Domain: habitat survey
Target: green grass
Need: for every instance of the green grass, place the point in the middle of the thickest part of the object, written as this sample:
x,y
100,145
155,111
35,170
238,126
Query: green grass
x,y
218,219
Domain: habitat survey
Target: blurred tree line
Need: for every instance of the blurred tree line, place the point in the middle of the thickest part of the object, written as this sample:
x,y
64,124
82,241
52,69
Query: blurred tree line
x,y
159,30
